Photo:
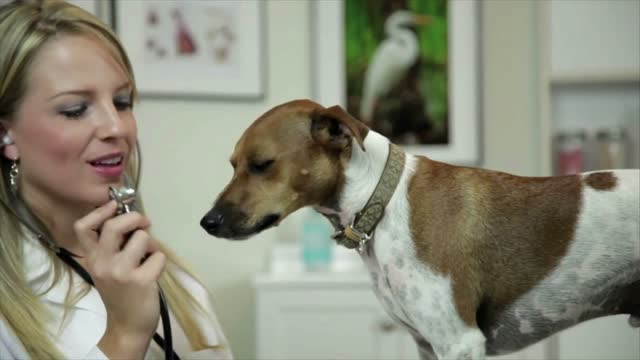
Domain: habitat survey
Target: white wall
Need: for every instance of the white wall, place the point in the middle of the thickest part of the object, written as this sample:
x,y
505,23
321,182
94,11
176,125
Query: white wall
x,y
595,84
511,87
595,37
186,145
595,70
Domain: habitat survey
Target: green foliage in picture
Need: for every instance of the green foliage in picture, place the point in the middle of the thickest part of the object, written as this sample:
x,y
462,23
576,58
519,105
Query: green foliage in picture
x,y
396,65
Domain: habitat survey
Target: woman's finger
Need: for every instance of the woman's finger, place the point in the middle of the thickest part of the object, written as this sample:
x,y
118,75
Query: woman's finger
x,y
117,230
86,228
152,268
136,248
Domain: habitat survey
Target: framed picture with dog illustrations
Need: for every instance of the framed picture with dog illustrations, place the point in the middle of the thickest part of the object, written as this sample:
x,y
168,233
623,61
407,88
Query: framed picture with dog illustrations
x,y
194,48
409,69
95,7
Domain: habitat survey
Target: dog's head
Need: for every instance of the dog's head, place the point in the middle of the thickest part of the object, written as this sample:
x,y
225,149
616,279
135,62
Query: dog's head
x,y
291,157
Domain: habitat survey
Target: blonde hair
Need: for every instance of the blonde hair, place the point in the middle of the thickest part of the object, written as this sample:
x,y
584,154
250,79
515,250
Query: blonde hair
x,y
24,28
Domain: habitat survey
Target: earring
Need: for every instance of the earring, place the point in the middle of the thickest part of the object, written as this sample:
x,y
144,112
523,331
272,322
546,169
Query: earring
x,y
13,177
6,140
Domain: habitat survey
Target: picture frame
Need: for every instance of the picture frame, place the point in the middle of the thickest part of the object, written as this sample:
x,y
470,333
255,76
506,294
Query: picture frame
x,y
463,66
100,8
95,7
192,48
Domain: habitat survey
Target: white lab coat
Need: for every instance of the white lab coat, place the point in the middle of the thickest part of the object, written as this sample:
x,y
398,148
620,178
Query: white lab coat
x,y
86,321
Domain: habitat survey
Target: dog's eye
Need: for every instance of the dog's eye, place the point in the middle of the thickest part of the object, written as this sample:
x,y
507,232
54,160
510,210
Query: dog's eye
x,y
259,167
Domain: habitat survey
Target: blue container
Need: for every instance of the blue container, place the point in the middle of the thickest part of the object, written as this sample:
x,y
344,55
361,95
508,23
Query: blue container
x,y
317,245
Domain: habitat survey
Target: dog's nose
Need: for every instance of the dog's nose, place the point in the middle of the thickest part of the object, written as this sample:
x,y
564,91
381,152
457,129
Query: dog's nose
x,y
212,221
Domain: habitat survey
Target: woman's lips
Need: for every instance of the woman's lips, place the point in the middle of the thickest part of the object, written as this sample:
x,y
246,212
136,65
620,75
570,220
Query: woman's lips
x,y
109,170
112,166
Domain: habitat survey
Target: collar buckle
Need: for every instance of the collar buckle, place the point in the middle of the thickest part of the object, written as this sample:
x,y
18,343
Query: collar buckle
x,y
352,238
362,228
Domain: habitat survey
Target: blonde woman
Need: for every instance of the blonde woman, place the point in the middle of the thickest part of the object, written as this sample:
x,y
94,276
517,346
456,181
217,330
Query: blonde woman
x,y
67,133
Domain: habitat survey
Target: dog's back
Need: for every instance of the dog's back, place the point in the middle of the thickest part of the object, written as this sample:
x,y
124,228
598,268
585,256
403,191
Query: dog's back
x,y
598,274
542,253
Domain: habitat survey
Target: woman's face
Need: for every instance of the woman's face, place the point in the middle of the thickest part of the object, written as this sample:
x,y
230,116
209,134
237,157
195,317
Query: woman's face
x,y
74,129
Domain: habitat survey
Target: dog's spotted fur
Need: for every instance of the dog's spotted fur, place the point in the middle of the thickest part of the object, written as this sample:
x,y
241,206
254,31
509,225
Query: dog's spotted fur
x,y
470,261
463,249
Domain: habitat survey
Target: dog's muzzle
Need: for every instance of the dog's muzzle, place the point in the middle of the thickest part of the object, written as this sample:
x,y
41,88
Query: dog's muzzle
x,y
212,221
226,222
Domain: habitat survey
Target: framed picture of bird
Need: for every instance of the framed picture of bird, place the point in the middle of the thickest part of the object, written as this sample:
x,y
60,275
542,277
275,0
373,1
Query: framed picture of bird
x,y
194,48
409,69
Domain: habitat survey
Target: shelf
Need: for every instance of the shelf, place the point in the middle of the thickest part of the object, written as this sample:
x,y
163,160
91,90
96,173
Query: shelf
x,y
286,269
313,280
595,78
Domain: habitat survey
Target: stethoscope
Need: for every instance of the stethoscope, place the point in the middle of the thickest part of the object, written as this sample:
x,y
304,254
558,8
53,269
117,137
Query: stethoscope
x,y
125,198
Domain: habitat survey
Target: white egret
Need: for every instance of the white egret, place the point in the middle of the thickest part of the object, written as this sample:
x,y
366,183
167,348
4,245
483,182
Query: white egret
x,y
391,60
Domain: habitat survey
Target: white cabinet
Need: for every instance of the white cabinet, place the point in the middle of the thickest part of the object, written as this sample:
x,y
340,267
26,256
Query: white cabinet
x,y
325,316
336,316
331,315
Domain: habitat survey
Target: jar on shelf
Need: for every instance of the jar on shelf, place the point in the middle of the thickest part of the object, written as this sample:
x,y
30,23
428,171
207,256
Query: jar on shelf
x,y
571,152
610,148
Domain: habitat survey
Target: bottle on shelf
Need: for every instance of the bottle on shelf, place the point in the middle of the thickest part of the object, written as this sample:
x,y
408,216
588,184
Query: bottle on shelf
x,y
317,245
610,149
571,152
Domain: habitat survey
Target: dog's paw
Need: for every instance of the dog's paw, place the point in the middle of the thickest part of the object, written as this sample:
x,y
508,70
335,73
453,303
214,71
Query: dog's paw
x,y
470,346
634,321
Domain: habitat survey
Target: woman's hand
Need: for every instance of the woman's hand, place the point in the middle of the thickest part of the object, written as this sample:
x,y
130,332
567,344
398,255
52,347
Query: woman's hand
x,y
114,249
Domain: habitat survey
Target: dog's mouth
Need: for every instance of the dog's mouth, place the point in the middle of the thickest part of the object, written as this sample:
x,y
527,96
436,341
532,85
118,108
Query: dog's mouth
x,y
267,222
242,234
233,232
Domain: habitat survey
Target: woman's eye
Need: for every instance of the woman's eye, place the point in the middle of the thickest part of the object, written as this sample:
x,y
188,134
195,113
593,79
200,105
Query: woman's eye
x,y
122,104
74,112
259,167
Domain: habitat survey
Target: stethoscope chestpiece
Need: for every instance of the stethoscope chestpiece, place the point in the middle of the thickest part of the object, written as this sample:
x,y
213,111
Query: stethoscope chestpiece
x,y
125,197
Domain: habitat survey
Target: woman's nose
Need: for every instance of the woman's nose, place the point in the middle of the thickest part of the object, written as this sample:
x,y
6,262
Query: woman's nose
x,y
111,123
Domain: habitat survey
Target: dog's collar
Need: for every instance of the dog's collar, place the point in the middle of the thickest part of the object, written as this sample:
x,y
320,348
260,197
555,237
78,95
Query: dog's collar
x,y
364,223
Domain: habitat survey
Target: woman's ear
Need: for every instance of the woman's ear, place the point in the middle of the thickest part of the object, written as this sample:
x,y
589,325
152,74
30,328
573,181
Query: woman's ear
x,y
9,149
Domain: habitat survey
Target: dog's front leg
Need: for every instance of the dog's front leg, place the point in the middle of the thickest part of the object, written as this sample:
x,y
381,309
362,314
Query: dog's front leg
x,y
447,338
427,301
424,348
427,354
469,346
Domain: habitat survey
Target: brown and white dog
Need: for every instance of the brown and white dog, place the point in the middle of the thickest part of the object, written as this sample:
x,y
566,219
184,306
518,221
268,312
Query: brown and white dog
x,y
471,261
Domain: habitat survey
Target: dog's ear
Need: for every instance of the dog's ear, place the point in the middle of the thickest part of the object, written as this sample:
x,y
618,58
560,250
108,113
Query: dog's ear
x,y
334,127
